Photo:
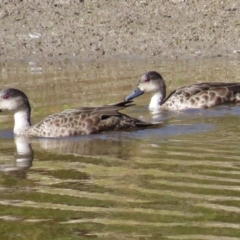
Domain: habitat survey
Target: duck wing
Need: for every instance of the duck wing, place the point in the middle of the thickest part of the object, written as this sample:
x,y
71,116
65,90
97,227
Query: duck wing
x,y
87,120
217,88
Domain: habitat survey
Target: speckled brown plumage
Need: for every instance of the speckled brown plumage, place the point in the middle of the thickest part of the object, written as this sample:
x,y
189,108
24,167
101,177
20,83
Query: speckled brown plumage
x,y
71,122
85,121
202,95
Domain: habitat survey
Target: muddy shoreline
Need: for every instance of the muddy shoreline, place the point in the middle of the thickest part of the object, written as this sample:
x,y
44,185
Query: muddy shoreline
x,y
63,30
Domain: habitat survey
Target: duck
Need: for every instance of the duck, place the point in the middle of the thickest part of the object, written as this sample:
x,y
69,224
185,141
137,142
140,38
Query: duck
x,y
71,122
195,96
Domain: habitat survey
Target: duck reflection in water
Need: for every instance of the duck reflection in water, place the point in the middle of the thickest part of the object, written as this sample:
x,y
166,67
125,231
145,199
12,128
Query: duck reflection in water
x,y
22,158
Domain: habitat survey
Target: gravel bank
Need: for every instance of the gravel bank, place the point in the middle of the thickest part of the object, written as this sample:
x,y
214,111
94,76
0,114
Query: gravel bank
x,y
102,29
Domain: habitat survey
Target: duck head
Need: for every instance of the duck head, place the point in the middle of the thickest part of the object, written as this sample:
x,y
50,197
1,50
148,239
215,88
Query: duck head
x,y
151,82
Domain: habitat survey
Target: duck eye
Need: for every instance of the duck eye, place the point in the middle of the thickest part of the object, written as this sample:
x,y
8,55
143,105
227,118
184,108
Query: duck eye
x,y
147,80
5,97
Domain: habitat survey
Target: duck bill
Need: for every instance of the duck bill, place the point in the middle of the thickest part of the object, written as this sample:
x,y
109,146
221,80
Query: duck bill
x,y
137,92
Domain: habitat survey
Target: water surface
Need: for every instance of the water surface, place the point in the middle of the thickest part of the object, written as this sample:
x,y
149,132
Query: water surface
x,y
178,181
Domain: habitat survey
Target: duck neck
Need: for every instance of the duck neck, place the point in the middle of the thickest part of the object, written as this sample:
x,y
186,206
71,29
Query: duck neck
x,y
156,100
22,122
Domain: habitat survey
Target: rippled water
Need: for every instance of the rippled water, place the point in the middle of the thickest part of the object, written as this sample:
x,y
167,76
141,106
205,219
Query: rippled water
x,y
178,181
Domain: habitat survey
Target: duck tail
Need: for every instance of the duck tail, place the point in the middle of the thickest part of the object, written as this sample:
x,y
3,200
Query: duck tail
x,y
140,123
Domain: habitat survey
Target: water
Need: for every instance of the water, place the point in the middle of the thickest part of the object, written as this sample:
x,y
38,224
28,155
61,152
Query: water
x,y
178,181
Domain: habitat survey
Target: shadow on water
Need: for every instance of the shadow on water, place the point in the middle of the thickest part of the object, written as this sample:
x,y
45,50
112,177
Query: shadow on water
x,y
177,181
108,143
